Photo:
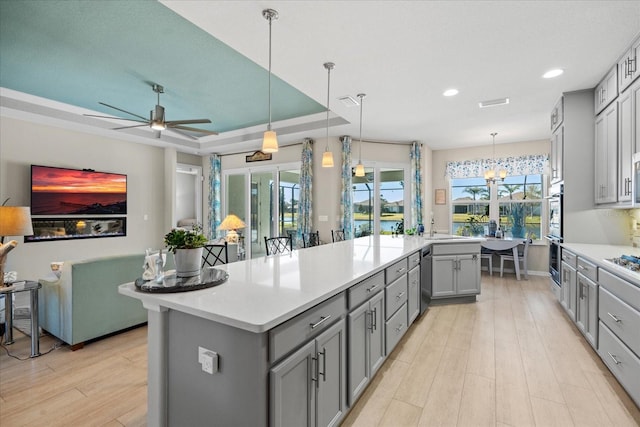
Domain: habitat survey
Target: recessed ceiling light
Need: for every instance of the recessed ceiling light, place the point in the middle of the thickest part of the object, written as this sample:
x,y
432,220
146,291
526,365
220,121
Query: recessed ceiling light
x,y
493,102
450,92
553,73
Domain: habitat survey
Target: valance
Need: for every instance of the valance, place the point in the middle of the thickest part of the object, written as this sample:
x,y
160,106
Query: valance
x,y
532,164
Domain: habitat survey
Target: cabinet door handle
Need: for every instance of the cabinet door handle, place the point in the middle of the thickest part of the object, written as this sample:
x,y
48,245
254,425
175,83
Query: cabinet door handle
x,y
400,270
399,296
580,294
314,368
320,322
372,288
615,359
399,328
614,317
324,364
374,319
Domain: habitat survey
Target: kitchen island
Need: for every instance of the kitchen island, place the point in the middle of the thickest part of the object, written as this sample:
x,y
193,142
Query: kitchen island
x,y
273,314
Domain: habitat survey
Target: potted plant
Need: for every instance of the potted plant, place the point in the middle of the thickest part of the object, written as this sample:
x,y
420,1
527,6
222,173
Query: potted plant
x,y
186,246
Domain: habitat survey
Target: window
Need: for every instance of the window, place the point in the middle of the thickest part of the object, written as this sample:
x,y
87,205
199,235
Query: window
x,y
515,205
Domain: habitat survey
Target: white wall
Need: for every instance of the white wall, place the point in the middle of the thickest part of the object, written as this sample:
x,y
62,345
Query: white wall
x,y
25,143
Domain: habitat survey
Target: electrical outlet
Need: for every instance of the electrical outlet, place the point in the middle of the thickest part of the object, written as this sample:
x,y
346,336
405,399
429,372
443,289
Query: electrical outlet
x,y
208,360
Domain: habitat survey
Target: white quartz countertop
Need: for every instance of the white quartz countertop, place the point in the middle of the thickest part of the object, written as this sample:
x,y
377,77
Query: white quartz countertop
x,y
599,254
263,292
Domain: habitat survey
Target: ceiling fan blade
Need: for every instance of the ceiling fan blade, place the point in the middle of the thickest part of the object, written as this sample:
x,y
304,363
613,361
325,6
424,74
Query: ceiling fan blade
x,y
187,122
129,127
124,111
178,131
116,118
190,129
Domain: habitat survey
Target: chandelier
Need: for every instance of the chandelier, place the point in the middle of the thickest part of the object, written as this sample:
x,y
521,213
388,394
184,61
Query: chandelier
x,y
493,175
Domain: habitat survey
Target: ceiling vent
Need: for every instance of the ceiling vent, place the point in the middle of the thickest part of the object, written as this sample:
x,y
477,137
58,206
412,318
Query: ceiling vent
x,y
348,101
493,102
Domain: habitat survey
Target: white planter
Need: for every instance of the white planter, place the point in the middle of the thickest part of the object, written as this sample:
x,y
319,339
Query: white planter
x,y
188,262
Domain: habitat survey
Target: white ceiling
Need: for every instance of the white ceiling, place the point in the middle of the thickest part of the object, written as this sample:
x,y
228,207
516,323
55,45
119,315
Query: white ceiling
x,y
404,54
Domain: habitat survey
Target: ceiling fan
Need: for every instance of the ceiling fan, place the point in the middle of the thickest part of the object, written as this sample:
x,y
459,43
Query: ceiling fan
x,y
156,120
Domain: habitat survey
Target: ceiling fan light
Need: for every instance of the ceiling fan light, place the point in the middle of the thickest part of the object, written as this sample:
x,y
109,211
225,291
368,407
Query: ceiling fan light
x,y
156,125
327,159
270,142
359,170
157,118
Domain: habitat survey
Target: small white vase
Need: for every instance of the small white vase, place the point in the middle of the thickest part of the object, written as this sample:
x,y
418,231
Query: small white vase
x,y
188,262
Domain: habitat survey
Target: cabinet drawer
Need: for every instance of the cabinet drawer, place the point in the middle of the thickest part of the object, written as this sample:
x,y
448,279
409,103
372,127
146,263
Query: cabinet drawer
x,y
395,295
620,361
414,260
621,318
455,248
396,270
395,328
359,293
570,258
587,269
627,292
289,335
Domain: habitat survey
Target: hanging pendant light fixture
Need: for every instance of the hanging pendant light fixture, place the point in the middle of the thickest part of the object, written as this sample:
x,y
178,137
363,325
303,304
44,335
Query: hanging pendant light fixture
x,y
270,140
493,174
360,166
327,156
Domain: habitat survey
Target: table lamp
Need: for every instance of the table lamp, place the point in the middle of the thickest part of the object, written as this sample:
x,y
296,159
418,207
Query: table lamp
x,y
231,223
14,221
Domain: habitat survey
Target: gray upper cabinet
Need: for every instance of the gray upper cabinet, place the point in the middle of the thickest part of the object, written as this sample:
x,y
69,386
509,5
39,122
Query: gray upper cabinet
x,y
557,115
628,66
626,143
606,155
607,90
556,157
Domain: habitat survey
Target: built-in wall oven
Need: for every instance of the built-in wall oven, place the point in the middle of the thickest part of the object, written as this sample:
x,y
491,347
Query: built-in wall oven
x,y
554,237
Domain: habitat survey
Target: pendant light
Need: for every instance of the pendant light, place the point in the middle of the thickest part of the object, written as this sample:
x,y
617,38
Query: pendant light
x,y
492,175
360,166
327,156
270,140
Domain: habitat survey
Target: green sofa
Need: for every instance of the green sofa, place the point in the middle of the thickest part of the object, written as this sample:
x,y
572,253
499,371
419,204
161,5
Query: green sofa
x,y
84,303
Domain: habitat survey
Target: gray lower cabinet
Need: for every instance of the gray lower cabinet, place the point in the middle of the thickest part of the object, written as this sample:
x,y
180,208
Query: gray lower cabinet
x,y
455,275
308,387
569,290
413,296
587,309
366,344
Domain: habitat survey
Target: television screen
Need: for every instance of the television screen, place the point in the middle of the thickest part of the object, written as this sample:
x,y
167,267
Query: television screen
x,y
59,191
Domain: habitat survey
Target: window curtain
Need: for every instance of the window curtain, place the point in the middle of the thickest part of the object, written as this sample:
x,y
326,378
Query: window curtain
x,y
214,210
532,164
306,180
346,204
415,157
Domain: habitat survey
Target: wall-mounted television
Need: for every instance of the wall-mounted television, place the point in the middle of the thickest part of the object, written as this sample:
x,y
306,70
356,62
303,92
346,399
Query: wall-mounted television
x,y
61,191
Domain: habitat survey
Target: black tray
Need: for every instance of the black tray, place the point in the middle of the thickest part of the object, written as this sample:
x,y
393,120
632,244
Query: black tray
x,y
208,278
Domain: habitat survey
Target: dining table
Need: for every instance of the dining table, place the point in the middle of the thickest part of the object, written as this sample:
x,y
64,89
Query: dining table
x,y
504,244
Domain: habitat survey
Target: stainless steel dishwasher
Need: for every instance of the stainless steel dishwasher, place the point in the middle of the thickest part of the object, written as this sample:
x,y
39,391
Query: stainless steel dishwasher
x,y
425,279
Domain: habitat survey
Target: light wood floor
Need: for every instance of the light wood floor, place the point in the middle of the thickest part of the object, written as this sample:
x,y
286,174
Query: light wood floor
x,y
510,359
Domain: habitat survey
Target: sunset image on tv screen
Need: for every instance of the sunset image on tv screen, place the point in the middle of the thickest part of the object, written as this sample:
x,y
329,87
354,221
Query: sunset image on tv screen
x,y
57,191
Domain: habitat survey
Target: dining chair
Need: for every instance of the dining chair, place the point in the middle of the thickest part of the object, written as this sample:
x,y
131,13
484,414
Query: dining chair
x,y
337,235
215,254
278,245
488,255
523,252
310,239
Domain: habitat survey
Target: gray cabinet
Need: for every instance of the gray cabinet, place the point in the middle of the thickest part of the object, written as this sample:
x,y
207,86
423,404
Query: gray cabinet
x,y
587,301
569,290
366,344
557,114
413,294
628,66
308,387
606,155
626,144
607,90
455,275
556,156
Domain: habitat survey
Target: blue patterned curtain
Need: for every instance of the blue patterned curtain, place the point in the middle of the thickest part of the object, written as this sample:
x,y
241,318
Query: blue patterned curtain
x,y
215,213
416,182
346,204
532,164
306,180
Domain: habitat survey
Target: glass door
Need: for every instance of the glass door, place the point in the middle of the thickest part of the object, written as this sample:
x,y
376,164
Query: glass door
x,y
263,210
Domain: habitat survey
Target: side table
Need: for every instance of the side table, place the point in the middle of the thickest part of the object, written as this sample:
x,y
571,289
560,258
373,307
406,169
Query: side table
x,y
22,286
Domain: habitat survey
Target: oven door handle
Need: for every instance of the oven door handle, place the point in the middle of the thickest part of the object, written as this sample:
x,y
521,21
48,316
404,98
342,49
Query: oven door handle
x,y
553,239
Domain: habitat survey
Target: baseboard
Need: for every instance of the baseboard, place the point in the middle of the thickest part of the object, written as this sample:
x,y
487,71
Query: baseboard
x,y
512,271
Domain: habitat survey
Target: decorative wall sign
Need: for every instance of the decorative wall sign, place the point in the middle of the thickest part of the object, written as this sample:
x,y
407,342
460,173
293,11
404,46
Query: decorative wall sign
x,y
258,156
441,196
48,229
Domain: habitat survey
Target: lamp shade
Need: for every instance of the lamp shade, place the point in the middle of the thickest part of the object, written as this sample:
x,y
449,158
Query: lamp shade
x,y
15,221
359,170
231,222
327,159
270,142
